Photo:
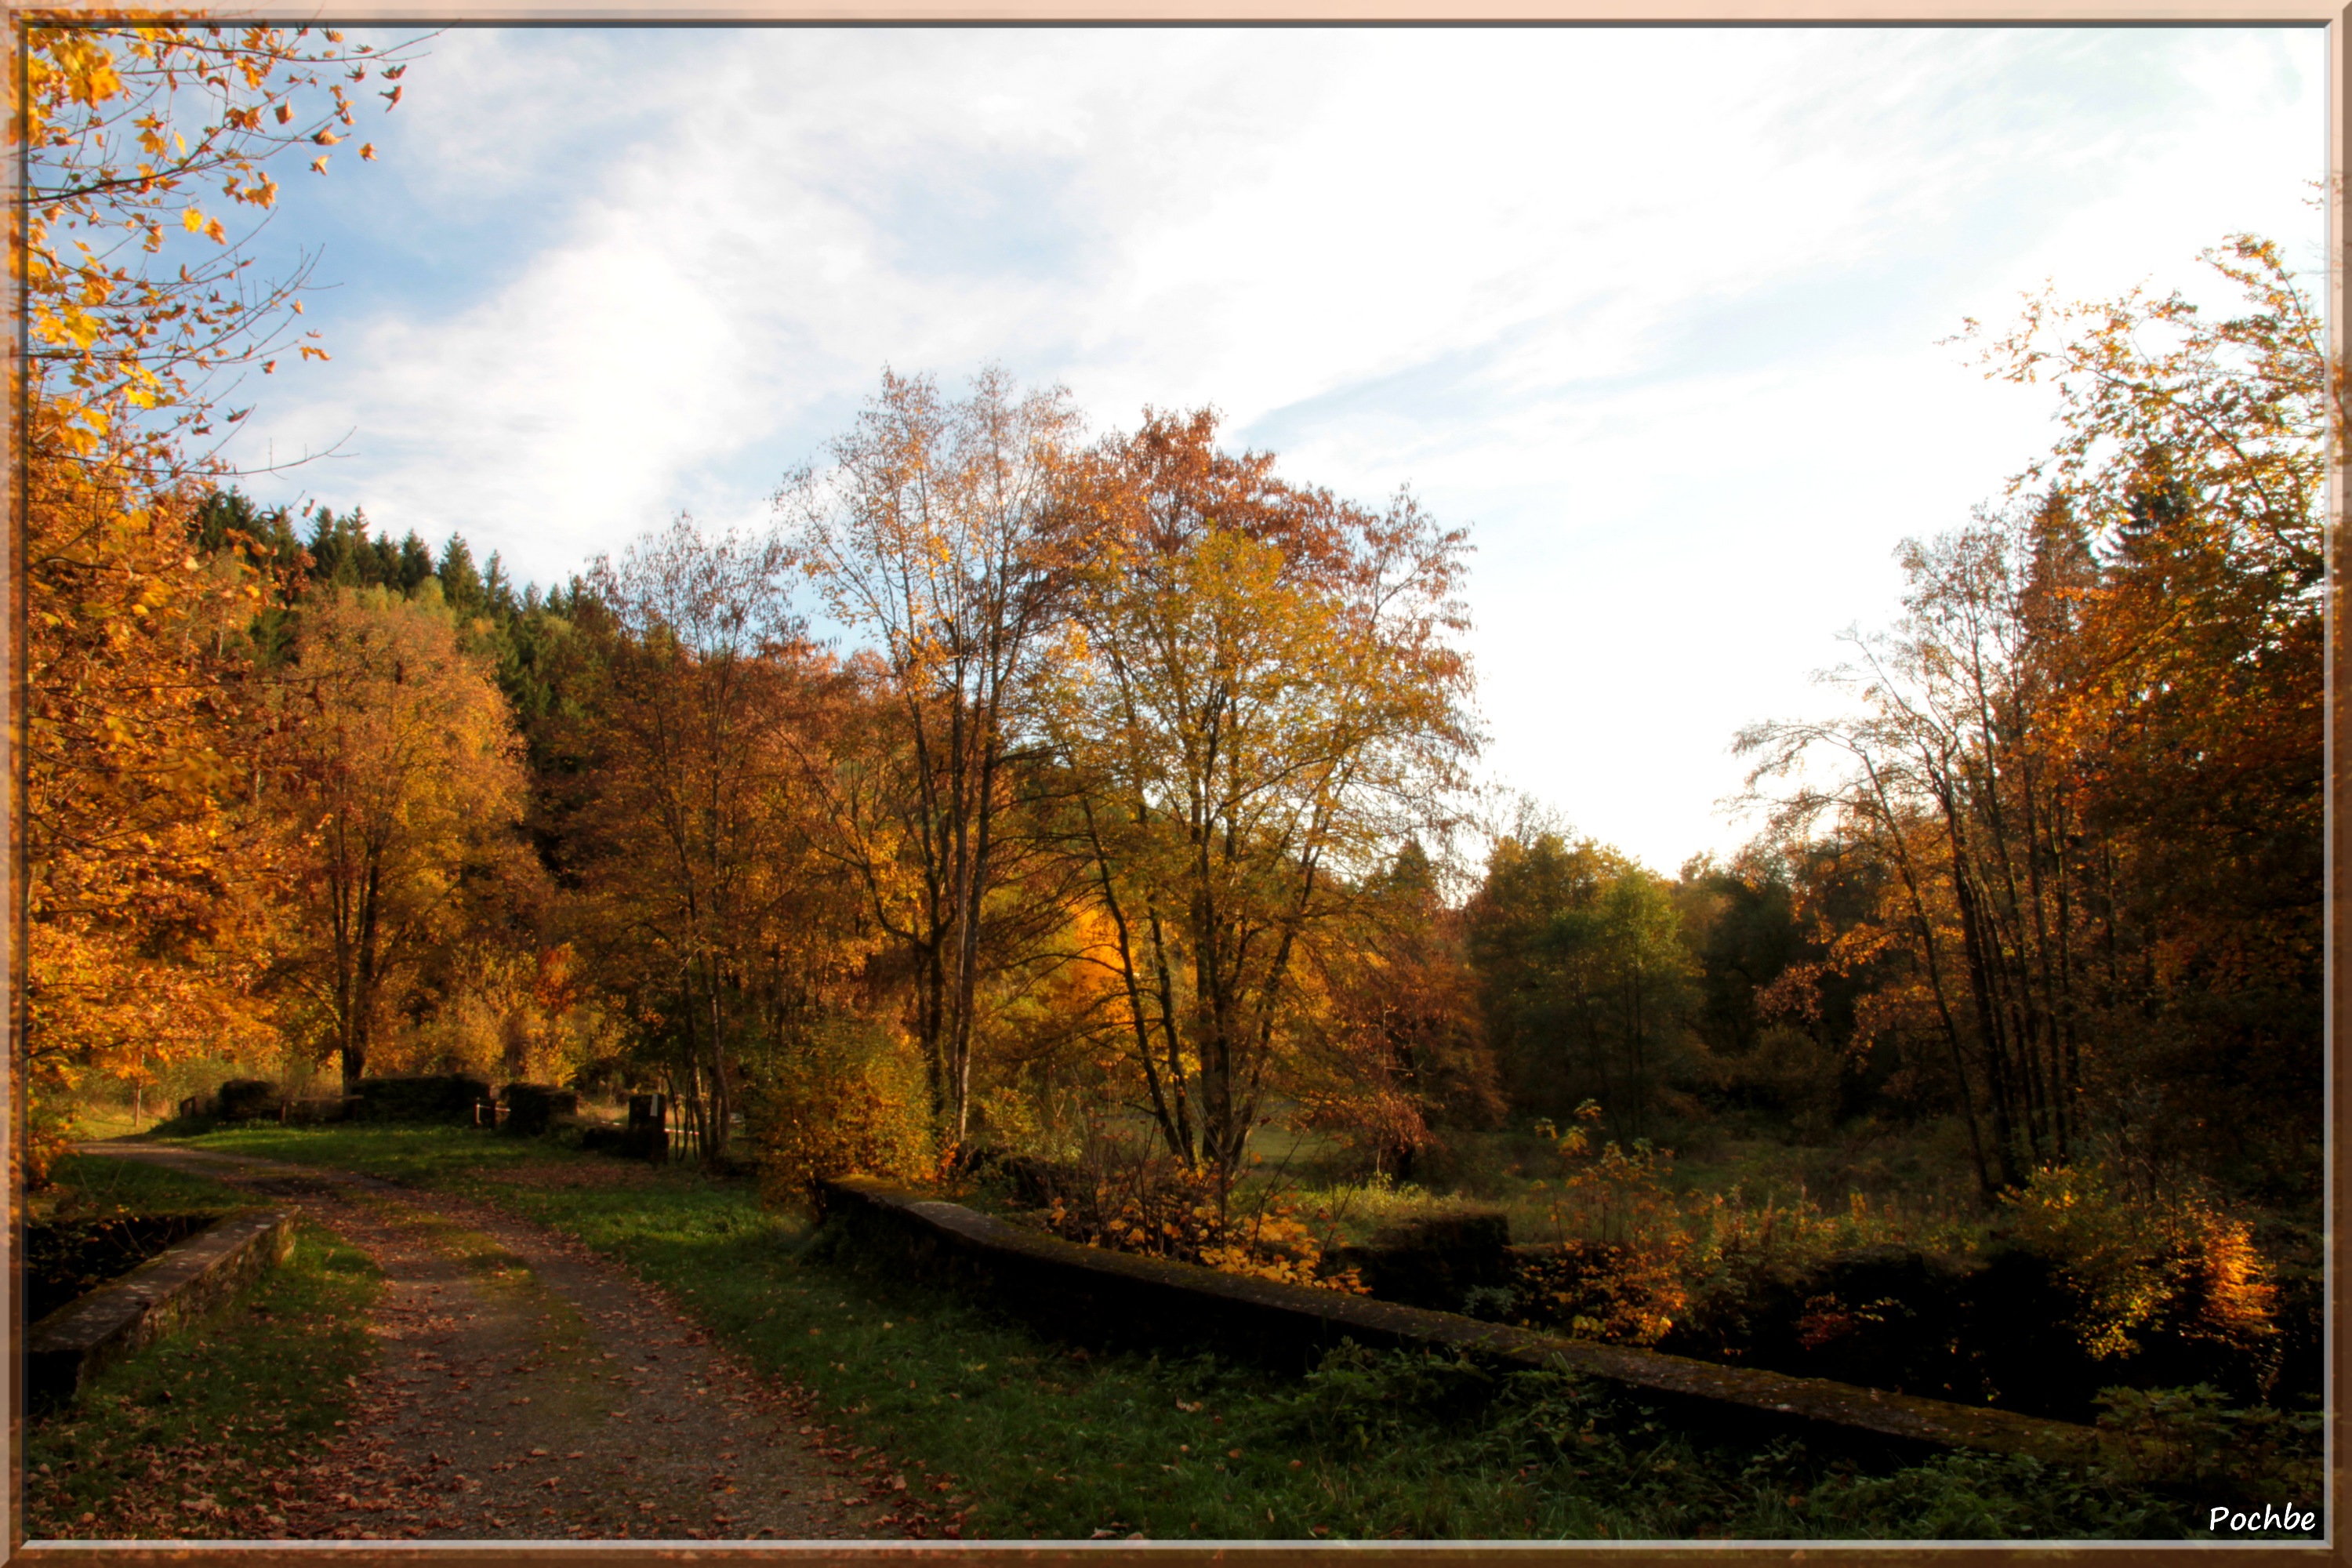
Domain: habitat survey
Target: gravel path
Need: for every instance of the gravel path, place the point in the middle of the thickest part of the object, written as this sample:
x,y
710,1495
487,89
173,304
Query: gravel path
x,y
531,1390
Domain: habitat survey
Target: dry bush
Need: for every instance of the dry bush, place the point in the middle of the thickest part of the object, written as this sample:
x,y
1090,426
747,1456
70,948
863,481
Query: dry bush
x,y
1632,1257
1132,1198
1617,1270
2136,1265
850,1101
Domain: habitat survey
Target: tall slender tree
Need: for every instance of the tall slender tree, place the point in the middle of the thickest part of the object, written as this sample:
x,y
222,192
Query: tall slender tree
x,y
2090,752
686,842
939,535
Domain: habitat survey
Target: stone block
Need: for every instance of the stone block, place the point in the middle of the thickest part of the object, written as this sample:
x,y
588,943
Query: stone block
x,y
66,1349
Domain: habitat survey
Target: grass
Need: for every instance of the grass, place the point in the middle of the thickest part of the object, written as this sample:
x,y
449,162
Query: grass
x,y
94,1187
181,1438
1022,1436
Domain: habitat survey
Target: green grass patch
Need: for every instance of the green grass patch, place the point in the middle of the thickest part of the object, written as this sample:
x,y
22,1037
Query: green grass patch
x,y
1025,1437
418,1156
182,1439
92,1186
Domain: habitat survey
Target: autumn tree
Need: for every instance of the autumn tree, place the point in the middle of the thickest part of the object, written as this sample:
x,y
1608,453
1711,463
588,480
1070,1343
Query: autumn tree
x,y
1405,1054
938,535
1267,700
145,871
146,867
139,298
2089,752
407,781
690,839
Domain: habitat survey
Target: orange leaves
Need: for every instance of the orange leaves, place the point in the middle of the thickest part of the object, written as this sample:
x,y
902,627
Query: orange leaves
x,y
558,983
142,881
185,102
1162,1211
1254,702
72,68
848,1103
410,770
146,882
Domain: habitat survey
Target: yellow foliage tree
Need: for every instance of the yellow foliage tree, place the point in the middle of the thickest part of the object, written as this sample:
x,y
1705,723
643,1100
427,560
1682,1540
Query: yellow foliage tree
x,y
143,930
408,781
144,879
1268,700
938,532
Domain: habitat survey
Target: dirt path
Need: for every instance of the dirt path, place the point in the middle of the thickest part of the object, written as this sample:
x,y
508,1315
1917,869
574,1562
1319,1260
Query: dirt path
x,y
531,1390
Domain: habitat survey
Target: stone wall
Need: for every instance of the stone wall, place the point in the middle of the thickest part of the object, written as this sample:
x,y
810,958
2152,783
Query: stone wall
x,y
1123,1301
64,1349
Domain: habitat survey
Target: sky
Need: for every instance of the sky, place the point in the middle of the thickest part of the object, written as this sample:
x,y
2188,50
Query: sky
x,y
1663,316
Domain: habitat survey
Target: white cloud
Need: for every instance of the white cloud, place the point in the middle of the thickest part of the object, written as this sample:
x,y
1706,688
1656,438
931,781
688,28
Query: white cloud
x,y
1656,309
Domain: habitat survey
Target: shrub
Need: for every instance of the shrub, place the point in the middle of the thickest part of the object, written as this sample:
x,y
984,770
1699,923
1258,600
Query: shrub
x,y
846,1103
1616,1273
2190,1439
533,1107
1595,1289
1368,1400
246,1100
1136,1199
2178,1266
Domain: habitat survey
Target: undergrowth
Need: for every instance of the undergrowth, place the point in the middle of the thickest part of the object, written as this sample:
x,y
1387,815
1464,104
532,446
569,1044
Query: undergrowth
x,y
1015,1436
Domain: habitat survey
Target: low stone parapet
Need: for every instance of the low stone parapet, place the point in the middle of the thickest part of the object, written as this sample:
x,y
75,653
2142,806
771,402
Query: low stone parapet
x,y
66,1349
1087,1294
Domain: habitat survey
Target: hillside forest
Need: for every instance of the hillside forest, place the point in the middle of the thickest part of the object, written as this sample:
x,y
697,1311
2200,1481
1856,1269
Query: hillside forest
x,y
1033,797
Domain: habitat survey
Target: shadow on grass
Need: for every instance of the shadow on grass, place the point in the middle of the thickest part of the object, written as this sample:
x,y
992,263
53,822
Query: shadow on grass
x,y
1037,1440
180,1440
